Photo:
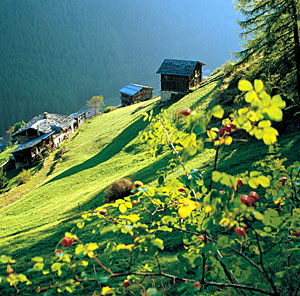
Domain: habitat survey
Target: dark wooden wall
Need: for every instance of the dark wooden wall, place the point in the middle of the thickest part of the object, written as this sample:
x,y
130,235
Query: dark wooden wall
x,y
174,83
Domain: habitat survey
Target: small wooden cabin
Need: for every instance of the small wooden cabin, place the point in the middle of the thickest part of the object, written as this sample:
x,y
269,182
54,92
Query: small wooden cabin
x,y
134,93
33,150
178,77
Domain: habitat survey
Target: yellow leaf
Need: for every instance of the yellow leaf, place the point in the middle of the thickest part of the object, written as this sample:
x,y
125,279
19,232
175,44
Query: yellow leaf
x,y
218,111
264,123
278,102
253,183
251,96
106,290
258,85
208,209
269,139
92,246
84,263
80,224
245,85
228,140
274,113
184,211
122,208
259,134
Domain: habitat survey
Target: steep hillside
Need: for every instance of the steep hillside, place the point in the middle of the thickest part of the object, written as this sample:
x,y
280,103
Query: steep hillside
x,y
36,215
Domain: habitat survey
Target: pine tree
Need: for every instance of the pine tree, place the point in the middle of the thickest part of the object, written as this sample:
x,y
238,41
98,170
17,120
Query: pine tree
x,y
271,35
3,180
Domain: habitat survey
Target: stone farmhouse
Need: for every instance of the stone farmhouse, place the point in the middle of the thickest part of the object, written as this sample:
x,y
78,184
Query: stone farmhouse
x,y
43,133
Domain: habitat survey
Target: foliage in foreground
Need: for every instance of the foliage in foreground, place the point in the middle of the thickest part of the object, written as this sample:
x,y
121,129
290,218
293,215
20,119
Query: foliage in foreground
x,y
246,242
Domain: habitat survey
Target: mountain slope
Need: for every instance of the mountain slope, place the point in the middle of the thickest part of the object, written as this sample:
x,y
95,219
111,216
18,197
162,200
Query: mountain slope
x,y
107,148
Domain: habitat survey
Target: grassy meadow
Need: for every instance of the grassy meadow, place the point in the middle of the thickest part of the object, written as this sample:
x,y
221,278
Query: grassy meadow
x,y
35,216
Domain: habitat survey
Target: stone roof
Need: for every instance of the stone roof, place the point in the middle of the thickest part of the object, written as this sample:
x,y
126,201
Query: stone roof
x,y
47,123
32,143
178,67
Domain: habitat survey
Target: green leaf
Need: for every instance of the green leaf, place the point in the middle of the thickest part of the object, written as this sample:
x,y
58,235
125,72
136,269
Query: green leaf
x,y
258,85
38,259
218,111
258,215
161,180
245,85
158,243
152,292
38,266
263,181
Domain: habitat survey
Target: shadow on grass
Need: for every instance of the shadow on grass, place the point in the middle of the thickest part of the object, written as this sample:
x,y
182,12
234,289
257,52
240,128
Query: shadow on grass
x,y
200,101
110,150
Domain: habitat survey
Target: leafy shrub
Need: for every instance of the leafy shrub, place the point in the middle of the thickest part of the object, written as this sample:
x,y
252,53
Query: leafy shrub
x,y
119,189
109,109
3,181
24,177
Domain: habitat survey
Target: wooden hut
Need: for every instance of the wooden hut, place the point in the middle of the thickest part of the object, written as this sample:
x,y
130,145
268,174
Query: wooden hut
x,y
28,153
178,77
44,132
134,93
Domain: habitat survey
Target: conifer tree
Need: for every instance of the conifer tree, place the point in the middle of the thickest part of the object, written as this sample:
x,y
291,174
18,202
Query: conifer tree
x,y
271,35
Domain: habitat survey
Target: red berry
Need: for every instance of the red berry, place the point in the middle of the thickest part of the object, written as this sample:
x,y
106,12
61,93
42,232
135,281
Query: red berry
x,y
181,189
67,241
254,195
197,284
186,112
250,201
103,212
175,202
222,131
202,237
295,233
57,252
227,128
283,180
138,184
206,267
240,182
134,202
9,269
239,231
243,199
126,283
232,127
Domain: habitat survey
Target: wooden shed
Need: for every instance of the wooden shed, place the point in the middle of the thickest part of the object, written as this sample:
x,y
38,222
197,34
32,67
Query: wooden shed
x,y
134,93
33,150
178,77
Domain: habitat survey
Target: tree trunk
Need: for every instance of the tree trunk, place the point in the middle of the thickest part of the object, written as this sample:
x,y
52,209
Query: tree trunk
x,y
297,46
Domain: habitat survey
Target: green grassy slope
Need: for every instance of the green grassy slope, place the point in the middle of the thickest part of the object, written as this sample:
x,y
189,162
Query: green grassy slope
x,y
36,215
